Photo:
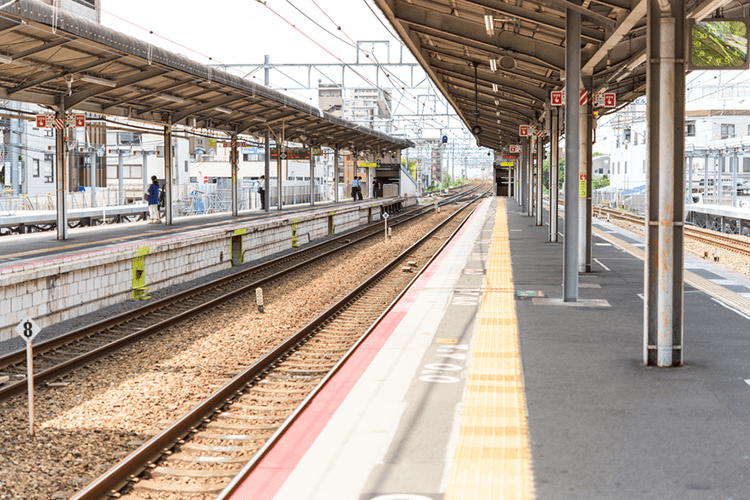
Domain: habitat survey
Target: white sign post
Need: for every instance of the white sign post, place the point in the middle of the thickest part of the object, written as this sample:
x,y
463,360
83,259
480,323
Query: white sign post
x,y
385,220
28,330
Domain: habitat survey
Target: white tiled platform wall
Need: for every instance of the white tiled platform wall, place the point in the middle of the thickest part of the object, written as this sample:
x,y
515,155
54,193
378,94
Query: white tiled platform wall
x,y
58,289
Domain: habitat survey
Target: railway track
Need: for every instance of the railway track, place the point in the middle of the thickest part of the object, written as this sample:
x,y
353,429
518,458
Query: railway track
x,y
737,244
55,358
213,447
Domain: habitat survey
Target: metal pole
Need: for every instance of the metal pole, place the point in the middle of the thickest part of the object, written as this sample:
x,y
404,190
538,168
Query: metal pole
x,y
530,177
586,162
554,177
665,78
234,160
336,174
572,153
30,379
120,179
62,175
705,180
524,176
267,172
690,177
720,175
92,175
539,192
279,183
734,180
312,177
168,172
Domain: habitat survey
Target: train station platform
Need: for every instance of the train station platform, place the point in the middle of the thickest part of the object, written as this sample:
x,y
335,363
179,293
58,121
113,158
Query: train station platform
x,y
481,384
52,281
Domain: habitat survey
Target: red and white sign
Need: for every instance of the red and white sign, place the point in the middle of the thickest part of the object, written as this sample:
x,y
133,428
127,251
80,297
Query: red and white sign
x,y
205,179
80,120
609,99
523,130
540,133
556,98
514,148
59,123
584,97
51,121
41,121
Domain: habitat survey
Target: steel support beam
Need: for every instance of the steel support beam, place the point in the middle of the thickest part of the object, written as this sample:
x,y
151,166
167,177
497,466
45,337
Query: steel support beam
x,y
663,325
572,153
267,172
234,160
279,183
539,171
62,175
336,175
586,162
312,177
524,176
554,177
168,173
120,179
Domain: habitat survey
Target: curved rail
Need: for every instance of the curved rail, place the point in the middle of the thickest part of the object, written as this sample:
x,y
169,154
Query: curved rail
x,y
144,457
63,354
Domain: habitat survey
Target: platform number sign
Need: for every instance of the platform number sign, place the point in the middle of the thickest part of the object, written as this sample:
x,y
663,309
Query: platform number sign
x,y
28,330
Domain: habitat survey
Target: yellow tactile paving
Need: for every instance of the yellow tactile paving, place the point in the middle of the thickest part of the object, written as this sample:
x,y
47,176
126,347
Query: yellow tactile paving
x,y
491,460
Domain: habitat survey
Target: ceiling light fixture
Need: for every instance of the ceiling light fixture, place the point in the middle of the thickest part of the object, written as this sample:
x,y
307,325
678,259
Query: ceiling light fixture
x,y
497,103
494,87
223,110
489,24
493,64
98,81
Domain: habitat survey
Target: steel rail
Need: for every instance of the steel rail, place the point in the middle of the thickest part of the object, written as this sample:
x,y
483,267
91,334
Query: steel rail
x,y
20,386
126,470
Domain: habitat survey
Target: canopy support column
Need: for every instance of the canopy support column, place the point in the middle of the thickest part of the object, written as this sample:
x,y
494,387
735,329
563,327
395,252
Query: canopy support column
x,y
554,176
62,174
663,326
572,152
234,159
168,172
586,161
539,192
312,177
279,183
267,172
336,175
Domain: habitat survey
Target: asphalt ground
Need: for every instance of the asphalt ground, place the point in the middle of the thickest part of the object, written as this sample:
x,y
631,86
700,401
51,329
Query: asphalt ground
x,y
603,426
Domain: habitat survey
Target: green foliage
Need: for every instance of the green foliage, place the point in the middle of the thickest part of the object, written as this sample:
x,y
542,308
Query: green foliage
x,y
601,182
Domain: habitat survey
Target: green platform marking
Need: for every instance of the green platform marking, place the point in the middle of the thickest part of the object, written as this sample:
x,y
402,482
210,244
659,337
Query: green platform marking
x,y
295,241
529,293
138,265
238,232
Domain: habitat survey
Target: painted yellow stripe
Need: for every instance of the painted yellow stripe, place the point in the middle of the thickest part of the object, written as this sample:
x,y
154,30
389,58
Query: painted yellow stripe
x,y
492,459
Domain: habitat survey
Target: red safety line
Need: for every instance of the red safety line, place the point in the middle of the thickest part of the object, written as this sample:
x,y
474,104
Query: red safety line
x,y
267,479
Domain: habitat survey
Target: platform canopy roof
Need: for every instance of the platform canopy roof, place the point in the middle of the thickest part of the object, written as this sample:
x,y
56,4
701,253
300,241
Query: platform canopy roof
x,y
522,58
47,55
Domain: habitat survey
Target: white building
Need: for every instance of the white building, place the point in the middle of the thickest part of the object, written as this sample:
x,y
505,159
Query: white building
x,y
717,119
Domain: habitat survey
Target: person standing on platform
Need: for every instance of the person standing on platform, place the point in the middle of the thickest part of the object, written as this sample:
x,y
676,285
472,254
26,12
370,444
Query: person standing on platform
x,y
262,191
355,188
153,201
359,188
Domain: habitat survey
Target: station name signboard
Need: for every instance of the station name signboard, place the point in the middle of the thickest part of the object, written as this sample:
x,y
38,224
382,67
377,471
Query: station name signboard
x,y
507,164
293,154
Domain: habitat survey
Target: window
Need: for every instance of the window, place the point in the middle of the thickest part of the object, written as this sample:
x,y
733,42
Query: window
x,y
187,165
35,167
626,168
635,139
726,93
48,132
746,165
618,167
690,129
48,166
727,130
626,135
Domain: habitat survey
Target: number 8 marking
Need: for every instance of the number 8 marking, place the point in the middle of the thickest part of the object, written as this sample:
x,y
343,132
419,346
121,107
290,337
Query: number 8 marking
x,y
27,329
